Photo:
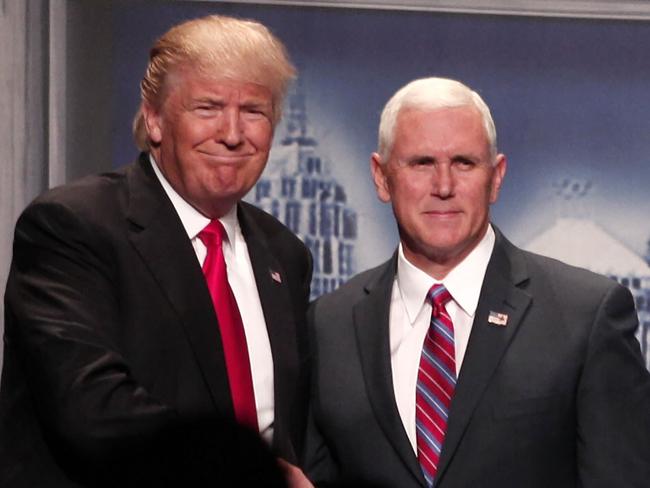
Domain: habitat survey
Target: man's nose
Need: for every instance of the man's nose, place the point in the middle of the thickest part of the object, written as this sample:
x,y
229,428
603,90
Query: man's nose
x,y
230,133
442,180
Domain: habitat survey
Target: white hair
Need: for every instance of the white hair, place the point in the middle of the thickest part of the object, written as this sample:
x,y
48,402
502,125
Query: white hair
x,y
431,94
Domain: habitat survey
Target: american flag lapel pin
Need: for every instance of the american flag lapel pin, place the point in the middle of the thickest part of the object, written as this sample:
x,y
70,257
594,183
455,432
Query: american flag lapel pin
x,y
497,318
275,276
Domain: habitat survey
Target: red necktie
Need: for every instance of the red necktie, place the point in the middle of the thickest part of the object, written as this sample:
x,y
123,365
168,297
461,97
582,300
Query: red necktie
x,y
233,337
436,384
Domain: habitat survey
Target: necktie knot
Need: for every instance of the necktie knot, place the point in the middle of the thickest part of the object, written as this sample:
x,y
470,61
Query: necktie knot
x,y
439,297
212,234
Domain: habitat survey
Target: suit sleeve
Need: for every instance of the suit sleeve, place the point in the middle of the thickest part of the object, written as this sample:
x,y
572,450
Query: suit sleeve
x,y
319,464
613,406
62,316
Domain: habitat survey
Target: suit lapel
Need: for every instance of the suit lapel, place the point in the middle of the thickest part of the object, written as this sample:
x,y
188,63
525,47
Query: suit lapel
x,y
371,320
487,342
161,241
275,299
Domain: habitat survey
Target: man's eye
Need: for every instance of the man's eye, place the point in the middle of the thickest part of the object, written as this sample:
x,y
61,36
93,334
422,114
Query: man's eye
x,y
417,164
254,112
206,110
464,163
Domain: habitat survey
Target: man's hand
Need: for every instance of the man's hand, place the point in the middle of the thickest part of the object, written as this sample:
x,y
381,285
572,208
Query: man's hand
x,y
294,475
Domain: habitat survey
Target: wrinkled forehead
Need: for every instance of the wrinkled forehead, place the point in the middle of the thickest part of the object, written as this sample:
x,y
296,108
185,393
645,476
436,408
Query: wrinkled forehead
x,y
462,118
186,74
440,132
441,112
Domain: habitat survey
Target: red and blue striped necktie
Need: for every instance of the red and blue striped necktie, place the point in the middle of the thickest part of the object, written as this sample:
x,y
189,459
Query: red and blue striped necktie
x,y
435,385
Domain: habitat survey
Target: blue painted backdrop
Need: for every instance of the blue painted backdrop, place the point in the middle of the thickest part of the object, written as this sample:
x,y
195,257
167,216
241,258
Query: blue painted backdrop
x,y
570,99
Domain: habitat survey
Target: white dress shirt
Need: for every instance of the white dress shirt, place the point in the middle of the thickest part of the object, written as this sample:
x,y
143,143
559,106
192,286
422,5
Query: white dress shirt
x,y
242,282
410,315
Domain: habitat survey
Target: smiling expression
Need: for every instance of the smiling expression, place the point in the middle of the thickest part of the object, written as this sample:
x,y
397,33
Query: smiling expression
x,y
211,138
440,179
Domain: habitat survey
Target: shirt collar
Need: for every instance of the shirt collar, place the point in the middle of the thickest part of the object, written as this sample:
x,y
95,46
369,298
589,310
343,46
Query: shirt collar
x,y
464,282
194,221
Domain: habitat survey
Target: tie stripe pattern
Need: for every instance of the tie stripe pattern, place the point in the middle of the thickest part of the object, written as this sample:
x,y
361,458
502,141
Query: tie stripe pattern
x,y
435,385
231,328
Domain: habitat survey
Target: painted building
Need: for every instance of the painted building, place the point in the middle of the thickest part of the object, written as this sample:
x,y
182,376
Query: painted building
x,y
298,189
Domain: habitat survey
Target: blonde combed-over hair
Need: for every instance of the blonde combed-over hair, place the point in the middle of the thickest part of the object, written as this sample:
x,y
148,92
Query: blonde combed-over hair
x,y
216,47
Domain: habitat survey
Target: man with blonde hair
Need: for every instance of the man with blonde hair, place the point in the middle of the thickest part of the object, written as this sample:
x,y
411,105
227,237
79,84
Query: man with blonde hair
x,y
464,361
153,319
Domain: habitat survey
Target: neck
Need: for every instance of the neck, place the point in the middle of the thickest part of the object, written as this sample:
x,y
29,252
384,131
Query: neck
x,y
437,263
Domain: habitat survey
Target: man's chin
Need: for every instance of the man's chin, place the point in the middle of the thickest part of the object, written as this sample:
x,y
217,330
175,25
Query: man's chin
x,y
217,203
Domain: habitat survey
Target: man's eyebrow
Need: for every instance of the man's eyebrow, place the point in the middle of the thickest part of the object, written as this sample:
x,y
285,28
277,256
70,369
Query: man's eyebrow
x,y
421,158
466,157
255,103
209,99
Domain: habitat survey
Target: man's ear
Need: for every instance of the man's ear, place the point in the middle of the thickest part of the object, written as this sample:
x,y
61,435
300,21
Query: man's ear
x,y
497,177
378,170
153,122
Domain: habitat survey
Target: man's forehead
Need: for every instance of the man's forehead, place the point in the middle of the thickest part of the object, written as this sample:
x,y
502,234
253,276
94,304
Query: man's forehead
x,y
456,129
466,117
196,82
422,112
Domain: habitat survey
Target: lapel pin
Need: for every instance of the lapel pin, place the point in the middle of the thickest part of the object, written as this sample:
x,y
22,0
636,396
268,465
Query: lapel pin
x,y
497,318
275,276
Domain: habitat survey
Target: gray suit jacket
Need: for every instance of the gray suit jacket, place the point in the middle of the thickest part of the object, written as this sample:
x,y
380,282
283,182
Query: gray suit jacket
x,y
559,397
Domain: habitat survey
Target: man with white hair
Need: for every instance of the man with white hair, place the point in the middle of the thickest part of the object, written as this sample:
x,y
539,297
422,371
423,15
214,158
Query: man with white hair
x,y
149,308
464,361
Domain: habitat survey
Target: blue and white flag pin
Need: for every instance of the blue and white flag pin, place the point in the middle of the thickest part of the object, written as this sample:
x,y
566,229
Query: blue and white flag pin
x,y
497,318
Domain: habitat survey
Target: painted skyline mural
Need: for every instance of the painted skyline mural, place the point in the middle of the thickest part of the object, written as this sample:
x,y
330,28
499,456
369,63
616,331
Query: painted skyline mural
x,y
569,98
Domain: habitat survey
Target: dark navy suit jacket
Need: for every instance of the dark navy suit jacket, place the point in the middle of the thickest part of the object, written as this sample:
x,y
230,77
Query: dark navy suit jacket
x,y
111,340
